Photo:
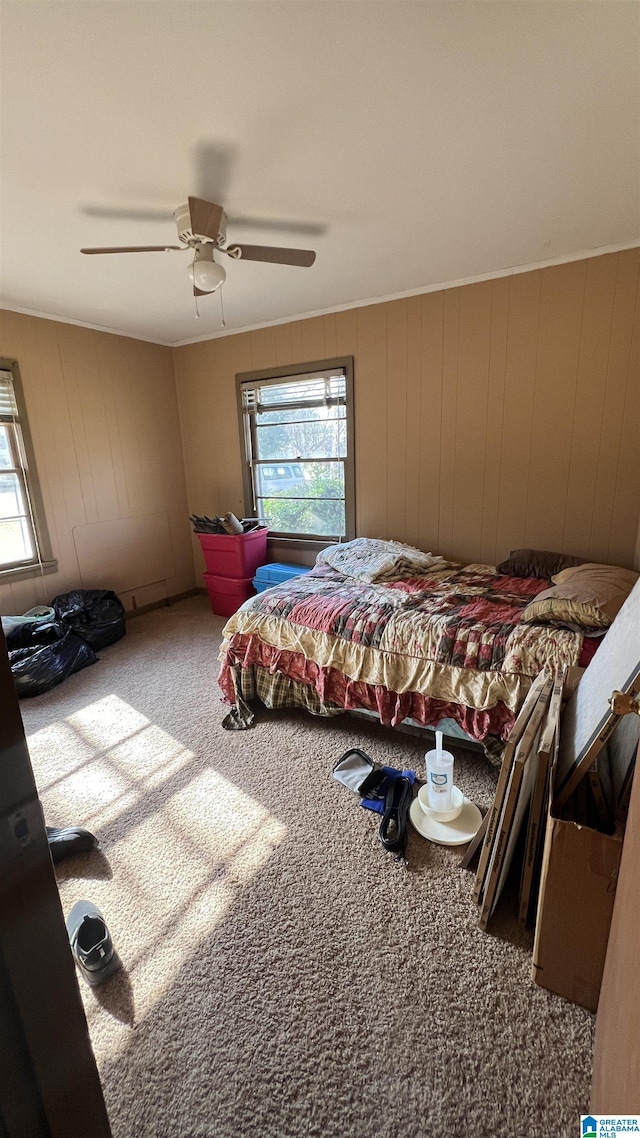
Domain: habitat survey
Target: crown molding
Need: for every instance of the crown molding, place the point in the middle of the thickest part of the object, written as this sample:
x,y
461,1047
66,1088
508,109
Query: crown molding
x,y
510,271
6,307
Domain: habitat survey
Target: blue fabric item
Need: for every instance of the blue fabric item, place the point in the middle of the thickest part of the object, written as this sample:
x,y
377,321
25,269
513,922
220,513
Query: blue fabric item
x,y
275,572
377,800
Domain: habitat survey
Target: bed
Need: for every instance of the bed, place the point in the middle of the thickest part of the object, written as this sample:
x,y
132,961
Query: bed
x,y
409,636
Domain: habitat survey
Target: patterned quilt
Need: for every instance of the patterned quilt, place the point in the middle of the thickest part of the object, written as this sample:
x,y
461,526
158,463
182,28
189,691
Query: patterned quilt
x,y
447,645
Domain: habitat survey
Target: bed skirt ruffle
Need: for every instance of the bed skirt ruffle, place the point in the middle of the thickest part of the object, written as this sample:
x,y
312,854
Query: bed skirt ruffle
x,y
254,670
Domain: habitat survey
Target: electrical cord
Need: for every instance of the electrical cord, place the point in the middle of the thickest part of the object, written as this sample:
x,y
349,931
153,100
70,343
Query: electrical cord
x,y
393,830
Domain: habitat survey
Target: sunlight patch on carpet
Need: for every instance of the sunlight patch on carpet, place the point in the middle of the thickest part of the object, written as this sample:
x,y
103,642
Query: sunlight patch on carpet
x,y
94,765
181,842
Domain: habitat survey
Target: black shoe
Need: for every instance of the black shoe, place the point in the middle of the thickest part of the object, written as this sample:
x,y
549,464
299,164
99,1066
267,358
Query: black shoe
x,y
91,943
69,840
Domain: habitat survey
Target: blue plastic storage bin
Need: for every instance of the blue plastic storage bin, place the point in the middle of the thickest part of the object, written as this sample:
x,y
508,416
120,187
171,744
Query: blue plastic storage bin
x,y
269,575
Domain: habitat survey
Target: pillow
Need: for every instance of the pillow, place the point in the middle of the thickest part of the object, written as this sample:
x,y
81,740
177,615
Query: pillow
x,y
536,563
548,608
584,597
606,586
374,561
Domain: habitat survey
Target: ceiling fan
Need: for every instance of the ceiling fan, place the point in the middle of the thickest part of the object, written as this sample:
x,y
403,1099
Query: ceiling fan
x,y
202,228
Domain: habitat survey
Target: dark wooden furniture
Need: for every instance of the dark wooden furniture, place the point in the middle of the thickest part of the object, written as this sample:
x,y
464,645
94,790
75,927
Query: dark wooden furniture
x,y
49,1083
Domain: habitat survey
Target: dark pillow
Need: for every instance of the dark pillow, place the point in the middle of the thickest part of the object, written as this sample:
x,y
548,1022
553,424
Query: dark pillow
x,y
536,563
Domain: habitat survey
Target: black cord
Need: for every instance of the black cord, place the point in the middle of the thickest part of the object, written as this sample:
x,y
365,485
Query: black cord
x,y
393,832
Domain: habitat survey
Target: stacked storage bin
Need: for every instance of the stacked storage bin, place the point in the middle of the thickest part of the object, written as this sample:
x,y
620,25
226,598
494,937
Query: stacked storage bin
x,y
232,560
276,571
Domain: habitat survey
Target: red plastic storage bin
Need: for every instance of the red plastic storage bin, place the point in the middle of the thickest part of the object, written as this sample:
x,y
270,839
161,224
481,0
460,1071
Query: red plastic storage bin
x,y
226,594
234,555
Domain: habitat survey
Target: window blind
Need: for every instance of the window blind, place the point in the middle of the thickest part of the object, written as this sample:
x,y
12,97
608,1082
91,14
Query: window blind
x,y
300,391
8,405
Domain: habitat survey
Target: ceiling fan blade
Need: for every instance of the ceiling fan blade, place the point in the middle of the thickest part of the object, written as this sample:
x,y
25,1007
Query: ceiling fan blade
x,y
304,258
205,218
136,249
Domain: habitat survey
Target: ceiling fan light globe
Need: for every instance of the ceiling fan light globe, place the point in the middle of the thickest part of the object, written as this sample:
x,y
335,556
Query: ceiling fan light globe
x,y
207,275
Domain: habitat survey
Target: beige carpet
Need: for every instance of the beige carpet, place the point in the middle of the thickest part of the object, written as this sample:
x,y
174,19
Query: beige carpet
x,y
284,977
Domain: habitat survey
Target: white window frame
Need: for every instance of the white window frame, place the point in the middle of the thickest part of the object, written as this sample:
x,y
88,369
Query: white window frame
x,y
317,369
24,467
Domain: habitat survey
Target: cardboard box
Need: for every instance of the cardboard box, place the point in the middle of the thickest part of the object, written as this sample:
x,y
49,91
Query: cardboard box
x,y
575,906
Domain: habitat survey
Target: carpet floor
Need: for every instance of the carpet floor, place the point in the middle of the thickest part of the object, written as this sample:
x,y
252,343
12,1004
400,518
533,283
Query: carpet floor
x,y
283,976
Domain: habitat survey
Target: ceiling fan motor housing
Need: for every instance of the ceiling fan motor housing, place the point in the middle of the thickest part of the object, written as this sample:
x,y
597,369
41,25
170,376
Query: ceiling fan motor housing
x,y
186,234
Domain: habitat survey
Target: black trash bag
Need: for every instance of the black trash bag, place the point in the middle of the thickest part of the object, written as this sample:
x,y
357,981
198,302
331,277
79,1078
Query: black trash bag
x,y
97,615
35,632
42,666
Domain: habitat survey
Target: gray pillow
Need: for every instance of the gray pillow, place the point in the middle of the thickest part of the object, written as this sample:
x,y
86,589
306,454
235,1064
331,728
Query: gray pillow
x,y
537,563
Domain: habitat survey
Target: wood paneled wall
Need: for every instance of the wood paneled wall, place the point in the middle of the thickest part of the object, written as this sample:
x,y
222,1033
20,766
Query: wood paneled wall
x,y
488,417
104,419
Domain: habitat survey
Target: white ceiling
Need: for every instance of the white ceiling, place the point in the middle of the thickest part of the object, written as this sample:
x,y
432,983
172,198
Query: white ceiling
x,y
427,142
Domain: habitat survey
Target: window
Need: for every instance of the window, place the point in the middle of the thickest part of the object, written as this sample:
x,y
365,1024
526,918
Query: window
x,y
297,435
23,537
